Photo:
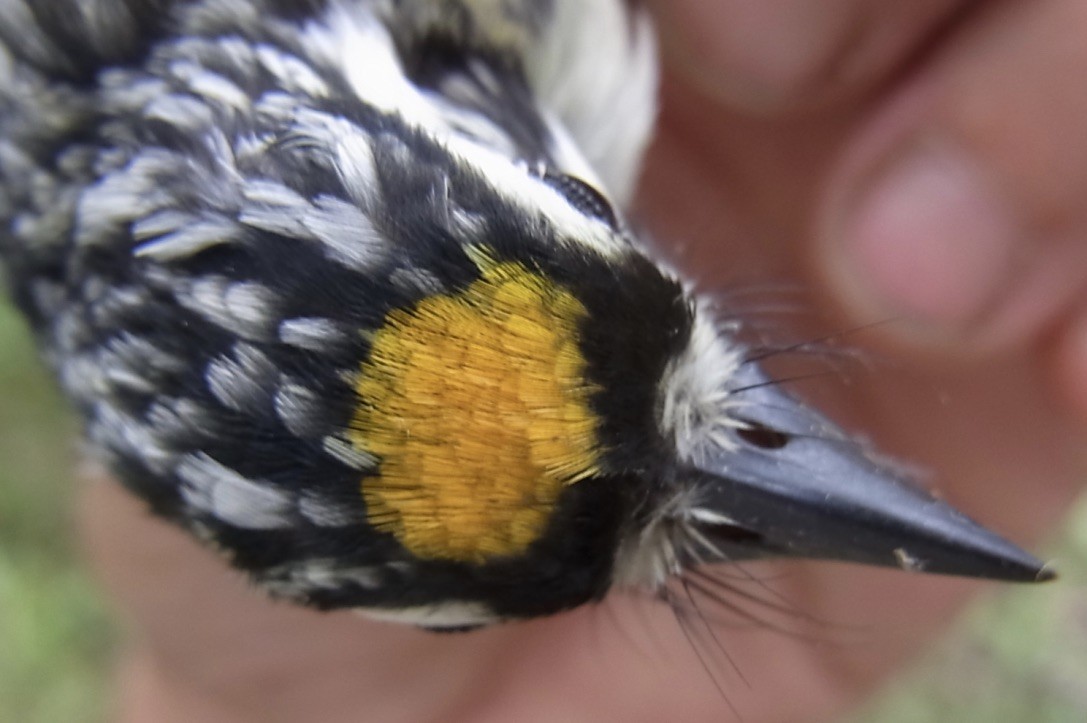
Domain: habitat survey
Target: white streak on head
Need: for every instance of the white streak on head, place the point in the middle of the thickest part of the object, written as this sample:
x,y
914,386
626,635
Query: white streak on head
x,y
210,487
570,159
352,41
534,197
596,71
470,123
695,407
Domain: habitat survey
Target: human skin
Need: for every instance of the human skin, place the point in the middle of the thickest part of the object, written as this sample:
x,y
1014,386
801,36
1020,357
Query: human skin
x,y
782,121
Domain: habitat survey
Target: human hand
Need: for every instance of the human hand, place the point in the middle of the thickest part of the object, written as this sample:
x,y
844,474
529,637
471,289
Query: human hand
x,y
788,121
759,161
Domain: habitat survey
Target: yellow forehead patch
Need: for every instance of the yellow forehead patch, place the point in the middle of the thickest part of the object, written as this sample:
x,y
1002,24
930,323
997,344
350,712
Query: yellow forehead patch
x,y
477,406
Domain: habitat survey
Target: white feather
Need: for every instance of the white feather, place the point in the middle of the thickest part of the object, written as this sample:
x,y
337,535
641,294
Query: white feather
x,y
694,405
211,487
596,71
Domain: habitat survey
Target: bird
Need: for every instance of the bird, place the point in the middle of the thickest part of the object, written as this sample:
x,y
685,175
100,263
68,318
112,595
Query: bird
x,y
350,290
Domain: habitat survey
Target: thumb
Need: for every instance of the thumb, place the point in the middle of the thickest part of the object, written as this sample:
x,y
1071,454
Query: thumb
x,y
958,207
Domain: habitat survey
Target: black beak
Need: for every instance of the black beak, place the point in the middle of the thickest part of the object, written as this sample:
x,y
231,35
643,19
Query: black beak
x,y
793,484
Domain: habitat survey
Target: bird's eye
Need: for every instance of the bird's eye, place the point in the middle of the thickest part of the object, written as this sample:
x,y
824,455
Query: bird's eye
x,y
583,197
761,436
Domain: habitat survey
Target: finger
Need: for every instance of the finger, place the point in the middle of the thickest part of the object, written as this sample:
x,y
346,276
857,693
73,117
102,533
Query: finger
x,y
776,54
1069,362
215,643
959,208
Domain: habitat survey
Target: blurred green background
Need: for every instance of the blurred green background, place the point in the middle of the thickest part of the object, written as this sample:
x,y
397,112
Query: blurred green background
x,y
1017,658
56,639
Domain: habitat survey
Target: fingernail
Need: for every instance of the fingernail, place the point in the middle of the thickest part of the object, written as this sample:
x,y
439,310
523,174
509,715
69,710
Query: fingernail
x,y
929,240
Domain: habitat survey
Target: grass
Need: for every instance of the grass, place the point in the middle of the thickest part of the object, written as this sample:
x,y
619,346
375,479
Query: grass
x,y
1017,658
57,639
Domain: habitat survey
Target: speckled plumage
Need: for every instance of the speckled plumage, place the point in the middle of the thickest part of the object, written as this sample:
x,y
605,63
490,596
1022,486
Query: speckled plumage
x,y
206,226
210,208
